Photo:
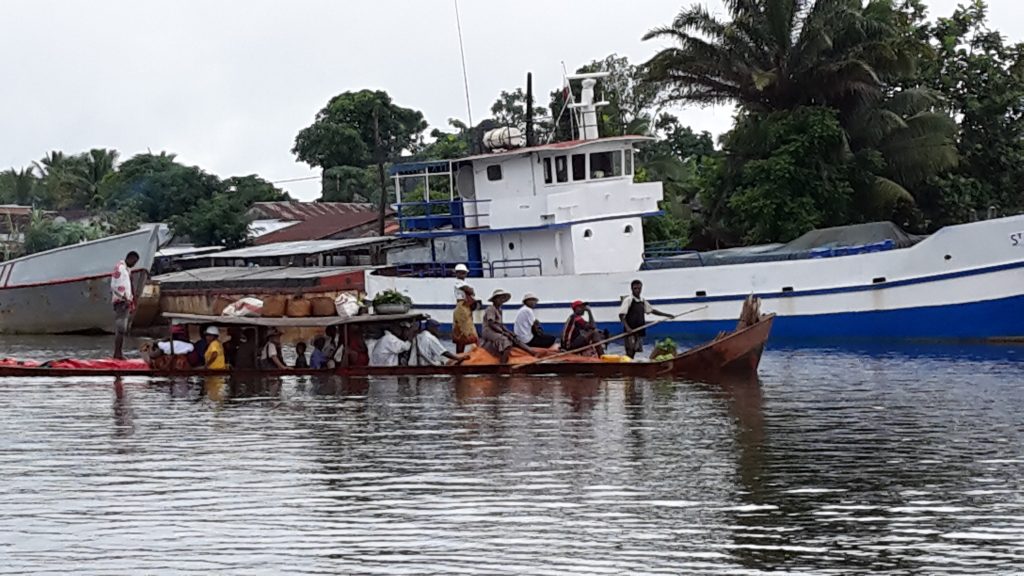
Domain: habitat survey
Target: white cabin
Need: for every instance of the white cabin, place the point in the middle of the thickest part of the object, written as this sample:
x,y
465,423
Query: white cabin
x,y
555,209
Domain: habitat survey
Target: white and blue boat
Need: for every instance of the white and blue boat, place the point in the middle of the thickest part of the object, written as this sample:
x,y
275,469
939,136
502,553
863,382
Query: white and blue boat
x,y
565,221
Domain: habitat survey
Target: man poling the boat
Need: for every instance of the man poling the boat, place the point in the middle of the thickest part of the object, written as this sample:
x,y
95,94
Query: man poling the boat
x,y
123,299
633,315
496,338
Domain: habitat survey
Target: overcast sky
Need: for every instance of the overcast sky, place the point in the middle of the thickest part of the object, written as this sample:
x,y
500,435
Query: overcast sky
x,y
226,85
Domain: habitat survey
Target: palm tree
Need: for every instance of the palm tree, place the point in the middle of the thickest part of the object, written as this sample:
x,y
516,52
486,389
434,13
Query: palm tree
x,y
778,54
98,164
20,186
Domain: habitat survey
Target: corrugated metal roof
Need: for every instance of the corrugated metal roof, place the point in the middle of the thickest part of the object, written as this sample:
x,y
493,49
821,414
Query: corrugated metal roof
x,y
302,211
171,251
260,228
302,248
262,273
319,228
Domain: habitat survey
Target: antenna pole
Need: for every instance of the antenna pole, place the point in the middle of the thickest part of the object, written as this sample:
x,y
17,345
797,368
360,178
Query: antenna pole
x,y
465,75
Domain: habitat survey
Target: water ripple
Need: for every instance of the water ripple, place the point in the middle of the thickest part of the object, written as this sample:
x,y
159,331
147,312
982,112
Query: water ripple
x,y
847,461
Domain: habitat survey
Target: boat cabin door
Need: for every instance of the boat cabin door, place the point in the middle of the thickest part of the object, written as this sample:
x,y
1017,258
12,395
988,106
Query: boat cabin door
x,y
511,264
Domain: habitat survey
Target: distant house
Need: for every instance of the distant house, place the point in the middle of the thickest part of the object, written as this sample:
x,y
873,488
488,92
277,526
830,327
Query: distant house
x,y
293,221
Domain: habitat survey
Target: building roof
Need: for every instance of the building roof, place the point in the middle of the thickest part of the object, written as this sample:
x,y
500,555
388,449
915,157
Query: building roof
x,y
302,211
185,250
303,248
318,228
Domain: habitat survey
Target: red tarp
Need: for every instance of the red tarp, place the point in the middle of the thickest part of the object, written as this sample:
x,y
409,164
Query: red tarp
x,y
94,364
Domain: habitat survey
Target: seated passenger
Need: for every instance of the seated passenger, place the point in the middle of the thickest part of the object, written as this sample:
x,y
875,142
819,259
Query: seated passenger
x,y
214,358
580,332
495,337
270,356
388,350
528,328
300,355
427,349
197,357
318,360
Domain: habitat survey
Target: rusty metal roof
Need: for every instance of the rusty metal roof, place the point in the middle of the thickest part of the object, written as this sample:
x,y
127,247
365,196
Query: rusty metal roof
x,y
303,211
319,228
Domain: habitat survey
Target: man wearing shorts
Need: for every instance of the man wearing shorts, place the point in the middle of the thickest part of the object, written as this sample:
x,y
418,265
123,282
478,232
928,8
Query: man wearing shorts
x,y
123,298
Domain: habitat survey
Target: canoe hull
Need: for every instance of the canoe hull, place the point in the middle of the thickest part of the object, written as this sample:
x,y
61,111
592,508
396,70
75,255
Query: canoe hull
x,y
736,354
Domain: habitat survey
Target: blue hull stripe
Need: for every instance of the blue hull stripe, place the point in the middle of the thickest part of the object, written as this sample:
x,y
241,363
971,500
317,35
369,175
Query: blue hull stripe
x,y
988,320
780,294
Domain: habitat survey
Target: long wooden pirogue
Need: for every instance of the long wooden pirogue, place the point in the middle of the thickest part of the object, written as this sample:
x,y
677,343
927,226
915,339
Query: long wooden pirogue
x,y
737,352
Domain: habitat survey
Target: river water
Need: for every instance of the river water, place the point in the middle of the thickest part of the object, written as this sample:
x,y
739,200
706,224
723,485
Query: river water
x,y
840,461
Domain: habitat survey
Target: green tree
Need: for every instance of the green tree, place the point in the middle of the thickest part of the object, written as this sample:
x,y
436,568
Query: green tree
x,y
219,220
158,186
782,174
19,186
348,184
43,233
344,133
247,190
981,76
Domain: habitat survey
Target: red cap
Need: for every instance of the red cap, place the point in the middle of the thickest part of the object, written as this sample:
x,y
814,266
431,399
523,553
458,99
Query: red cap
x,y
578,304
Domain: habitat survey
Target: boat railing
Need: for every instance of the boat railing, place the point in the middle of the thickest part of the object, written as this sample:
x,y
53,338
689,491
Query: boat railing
x,y
430,215
476,269
663,252
523,265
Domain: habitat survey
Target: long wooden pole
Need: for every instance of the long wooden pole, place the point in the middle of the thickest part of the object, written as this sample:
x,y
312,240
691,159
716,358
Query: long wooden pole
x,y
607,340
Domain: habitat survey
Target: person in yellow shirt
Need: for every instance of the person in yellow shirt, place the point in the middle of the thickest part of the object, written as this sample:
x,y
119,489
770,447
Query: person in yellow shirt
x,y
214,350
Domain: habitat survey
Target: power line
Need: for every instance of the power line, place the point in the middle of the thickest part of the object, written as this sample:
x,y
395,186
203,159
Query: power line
x,y
295,179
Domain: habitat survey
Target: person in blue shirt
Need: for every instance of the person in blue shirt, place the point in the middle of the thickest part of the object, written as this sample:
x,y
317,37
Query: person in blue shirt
x,y
318,360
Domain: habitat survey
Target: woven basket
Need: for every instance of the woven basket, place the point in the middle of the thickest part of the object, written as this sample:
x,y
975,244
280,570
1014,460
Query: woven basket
x,y
274,306
299,307
323,306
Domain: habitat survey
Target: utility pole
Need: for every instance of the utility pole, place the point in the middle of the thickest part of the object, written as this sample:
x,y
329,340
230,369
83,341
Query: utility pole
x,y
379,153
529,109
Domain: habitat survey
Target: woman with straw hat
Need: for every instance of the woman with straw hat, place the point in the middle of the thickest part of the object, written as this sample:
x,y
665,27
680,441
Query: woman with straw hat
x,y
496,338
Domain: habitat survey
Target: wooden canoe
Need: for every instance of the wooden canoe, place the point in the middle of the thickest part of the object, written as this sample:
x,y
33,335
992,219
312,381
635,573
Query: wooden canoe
x,y
731,354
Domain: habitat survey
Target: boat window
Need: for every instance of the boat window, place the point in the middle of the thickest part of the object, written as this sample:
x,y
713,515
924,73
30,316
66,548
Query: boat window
x,y
605,164
628,164
579,167
588,233
547,170
561,169
629,229
494,172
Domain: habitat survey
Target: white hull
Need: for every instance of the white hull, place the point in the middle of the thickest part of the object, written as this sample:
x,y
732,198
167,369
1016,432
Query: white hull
x,y
68,289
964,282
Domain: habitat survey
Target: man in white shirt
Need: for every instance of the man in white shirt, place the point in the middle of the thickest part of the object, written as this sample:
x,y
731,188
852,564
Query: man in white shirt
x,y
527,329
427,349
386,351
122,296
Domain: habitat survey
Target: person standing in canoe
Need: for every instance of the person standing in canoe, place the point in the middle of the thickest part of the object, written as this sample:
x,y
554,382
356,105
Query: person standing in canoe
x,y
463,328
123,299
633,314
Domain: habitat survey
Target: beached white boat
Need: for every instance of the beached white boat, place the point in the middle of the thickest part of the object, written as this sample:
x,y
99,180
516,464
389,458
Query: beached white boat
x,y
67,290
565,221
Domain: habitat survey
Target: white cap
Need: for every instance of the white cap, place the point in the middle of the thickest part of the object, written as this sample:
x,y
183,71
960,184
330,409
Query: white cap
x,y
212,331
461,268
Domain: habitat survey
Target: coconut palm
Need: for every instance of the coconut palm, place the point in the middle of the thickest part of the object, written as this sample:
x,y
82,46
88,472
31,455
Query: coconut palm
x,y
779,54
20,186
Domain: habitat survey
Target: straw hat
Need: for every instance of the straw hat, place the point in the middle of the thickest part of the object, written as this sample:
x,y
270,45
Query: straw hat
x,y
530,296
499,293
